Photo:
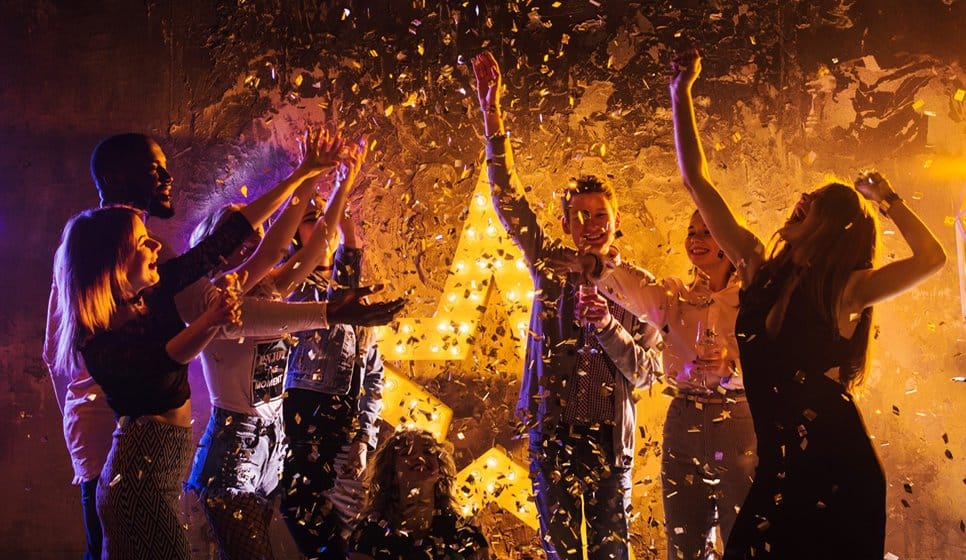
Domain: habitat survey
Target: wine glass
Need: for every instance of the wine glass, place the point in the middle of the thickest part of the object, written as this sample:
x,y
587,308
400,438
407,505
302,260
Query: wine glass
x,y
587,290
707,347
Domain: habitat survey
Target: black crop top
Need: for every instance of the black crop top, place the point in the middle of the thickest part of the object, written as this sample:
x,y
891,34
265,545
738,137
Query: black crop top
x,y
130,363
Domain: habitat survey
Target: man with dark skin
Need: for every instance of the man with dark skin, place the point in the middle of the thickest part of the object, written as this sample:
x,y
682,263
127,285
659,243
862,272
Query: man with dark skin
x,y
131,169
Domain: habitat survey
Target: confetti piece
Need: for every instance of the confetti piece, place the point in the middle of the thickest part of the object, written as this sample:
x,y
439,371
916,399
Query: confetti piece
x,y
959,95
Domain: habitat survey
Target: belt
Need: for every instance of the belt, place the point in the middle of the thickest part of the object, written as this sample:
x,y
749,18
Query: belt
x,y
728,397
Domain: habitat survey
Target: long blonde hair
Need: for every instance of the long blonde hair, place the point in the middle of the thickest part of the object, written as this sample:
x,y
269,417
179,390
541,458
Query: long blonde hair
x,y
846,240
384,501
89,271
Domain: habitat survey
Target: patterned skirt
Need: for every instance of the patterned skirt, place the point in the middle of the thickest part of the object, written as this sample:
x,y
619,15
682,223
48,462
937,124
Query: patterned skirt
x,y
139,490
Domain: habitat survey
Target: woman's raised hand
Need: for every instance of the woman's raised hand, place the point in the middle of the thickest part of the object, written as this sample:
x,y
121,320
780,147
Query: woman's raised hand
x,y
350,166
873,186
320,150
685,68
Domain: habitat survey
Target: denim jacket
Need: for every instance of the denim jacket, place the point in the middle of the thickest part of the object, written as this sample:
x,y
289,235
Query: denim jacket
x,y
551,345
330,361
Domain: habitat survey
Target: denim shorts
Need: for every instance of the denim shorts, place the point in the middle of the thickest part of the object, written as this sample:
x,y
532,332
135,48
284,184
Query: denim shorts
x,y
239,454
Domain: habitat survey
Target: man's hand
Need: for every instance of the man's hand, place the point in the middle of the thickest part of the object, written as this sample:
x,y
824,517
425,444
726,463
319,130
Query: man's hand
x,y
488,81
356,462
592,309
348,307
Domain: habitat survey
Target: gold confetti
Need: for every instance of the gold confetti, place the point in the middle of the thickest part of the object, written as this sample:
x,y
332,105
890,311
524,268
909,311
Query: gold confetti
x,y
959,95
244,191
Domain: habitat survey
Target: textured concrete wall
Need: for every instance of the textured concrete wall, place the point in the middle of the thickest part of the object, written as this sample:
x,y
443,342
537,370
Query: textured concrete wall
x,y
792,91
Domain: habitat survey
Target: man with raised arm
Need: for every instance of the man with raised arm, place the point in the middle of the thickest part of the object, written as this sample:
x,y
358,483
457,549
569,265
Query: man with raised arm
x,y
585,357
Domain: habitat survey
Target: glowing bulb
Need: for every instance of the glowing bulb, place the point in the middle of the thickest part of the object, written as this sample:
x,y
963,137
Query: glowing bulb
x,y
406,328
460,266
491,462
464,328
451,297
480,200
441,326
490,230
470,232
400,348
521,264
454,350
511,295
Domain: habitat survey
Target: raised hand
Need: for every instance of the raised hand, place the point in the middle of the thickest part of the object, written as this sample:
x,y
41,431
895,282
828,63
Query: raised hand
x,y
351,165
348,306
685,68
873,186
320,150
488,81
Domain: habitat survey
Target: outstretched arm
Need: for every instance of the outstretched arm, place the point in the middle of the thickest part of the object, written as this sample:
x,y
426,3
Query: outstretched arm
x,y
507,193
867,287
321,151
324,239
259,210
740,244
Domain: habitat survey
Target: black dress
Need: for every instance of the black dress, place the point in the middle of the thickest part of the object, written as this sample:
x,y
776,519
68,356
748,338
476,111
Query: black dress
x,y
819,491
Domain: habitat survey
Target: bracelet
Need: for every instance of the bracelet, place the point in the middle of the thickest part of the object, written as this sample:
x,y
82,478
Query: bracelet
x,y
887,201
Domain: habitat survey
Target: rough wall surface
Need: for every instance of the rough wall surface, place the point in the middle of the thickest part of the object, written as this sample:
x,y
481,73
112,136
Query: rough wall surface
x,y
792,92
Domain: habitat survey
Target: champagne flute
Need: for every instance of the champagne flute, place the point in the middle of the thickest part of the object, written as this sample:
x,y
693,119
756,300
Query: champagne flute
x,y
706,346
586,290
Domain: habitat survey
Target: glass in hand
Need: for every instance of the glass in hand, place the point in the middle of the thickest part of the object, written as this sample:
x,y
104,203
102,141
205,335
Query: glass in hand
x,y
587,290
707,347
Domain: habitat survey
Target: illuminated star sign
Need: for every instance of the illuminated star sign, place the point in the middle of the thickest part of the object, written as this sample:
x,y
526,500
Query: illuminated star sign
x,y
486,260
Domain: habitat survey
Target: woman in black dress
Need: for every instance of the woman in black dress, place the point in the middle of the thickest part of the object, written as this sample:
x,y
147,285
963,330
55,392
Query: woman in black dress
x,y
803,332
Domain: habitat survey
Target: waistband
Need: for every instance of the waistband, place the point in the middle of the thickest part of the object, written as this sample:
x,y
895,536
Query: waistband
x,y
260,426
728,397
603,431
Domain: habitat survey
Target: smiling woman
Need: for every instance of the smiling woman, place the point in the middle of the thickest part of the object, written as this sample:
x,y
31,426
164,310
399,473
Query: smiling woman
x,y
136,347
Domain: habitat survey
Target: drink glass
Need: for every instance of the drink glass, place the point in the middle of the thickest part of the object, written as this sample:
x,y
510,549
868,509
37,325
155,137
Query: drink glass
x,y
707,347
586,290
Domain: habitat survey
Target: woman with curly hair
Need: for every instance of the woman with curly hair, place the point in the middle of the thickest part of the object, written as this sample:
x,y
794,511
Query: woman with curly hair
x,y
411,512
